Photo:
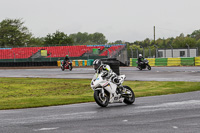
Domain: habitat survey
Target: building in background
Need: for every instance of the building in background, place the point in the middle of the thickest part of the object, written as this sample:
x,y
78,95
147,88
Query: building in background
x,y
168,53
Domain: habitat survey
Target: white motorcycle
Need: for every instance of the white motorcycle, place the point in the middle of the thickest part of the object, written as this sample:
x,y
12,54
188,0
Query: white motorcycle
x,y
106,92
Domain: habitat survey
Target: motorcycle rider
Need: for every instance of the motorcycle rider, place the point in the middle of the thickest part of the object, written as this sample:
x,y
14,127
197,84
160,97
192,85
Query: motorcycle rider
x,y
66,60
99,67
140,59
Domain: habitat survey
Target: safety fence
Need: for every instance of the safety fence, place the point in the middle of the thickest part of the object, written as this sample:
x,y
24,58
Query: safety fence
x,y
188,61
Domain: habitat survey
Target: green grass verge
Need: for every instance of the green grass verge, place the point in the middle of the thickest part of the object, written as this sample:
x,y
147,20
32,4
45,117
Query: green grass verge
x,y
37,92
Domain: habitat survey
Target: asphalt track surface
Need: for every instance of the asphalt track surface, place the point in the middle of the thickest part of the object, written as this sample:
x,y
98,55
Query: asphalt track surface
x,y
177,113
132,73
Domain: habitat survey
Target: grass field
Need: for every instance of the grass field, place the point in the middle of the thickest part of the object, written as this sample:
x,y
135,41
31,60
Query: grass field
x,y
37,92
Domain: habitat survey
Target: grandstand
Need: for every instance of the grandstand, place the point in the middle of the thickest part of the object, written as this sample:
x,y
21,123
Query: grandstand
x,y
60,51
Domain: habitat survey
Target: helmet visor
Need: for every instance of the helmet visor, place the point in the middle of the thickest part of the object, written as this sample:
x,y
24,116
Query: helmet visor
x,y
95,66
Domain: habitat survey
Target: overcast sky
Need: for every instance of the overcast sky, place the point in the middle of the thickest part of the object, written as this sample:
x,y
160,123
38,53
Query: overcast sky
x,y
127,20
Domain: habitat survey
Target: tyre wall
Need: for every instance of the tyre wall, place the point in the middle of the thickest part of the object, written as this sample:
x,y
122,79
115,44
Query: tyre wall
x,y
186,61
197,61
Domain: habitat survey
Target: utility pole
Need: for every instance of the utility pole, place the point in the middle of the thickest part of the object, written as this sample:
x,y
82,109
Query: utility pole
x,y
188,50
154,34
171,50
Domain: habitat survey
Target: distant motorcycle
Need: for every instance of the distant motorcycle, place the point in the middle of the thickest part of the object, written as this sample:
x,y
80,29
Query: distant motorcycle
x,y
143,65
106,92
68,65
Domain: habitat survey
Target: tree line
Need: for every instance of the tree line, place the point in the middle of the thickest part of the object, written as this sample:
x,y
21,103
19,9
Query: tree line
x,y
13,33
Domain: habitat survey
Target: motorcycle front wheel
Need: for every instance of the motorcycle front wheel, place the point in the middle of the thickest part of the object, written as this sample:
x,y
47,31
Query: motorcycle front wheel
x,y
100,99
140,68
129,99
62,68
70,67
148,67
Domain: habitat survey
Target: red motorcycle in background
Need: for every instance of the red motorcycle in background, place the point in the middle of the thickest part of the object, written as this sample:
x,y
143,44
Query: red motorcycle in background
x,y
68,65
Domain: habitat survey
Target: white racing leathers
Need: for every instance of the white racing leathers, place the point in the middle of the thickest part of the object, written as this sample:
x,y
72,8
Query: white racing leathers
x,y
108,74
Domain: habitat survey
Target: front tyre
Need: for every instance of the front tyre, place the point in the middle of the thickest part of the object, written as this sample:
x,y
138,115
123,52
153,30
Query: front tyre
x,y
148,67
100,100
129,99
70,67
140,68
62,68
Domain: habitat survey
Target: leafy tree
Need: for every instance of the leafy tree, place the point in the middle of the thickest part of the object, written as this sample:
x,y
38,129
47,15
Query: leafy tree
x,y
198,43
190,41
118,42
179,41
36,41
195,34
98,38
85,38
14,33
58,38
80,38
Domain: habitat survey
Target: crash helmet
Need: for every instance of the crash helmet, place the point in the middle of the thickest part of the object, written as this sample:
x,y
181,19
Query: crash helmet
x,y
97,64
140,55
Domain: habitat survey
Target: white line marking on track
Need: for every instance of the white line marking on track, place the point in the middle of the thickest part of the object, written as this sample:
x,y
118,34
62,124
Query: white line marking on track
x,y
175,127
46,129
50,117
174,104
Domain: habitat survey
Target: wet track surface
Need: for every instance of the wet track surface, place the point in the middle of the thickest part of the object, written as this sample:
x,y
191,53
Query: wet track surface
x,y
132,73
178,113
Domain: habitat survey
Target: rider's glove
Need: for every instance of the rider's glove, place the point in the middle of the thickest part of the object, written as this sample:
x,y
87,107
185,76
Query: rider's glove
x,y
104,74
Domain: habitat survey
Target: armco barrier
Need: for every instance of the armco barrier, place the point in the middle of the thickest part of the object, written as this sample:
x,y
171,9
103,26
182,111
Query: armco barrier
x,y
173,61
160,61
197,61
151,61
187,61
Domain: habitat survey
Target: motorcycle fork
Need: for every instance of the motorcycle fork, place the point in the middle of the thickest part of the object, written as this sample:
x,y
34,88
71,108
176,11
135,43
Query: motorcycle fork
x,y
102,91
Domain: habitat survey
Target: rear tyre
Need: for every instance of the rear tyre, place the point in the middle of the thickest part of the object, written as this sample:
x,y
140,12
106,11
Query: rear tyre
x,y
100,100
130,99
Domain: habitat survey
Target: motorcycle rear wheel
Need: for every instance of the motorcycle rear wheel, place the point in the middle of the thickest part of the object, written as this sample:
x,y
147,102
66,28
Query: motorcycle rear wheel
x,y
100,100
129,99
